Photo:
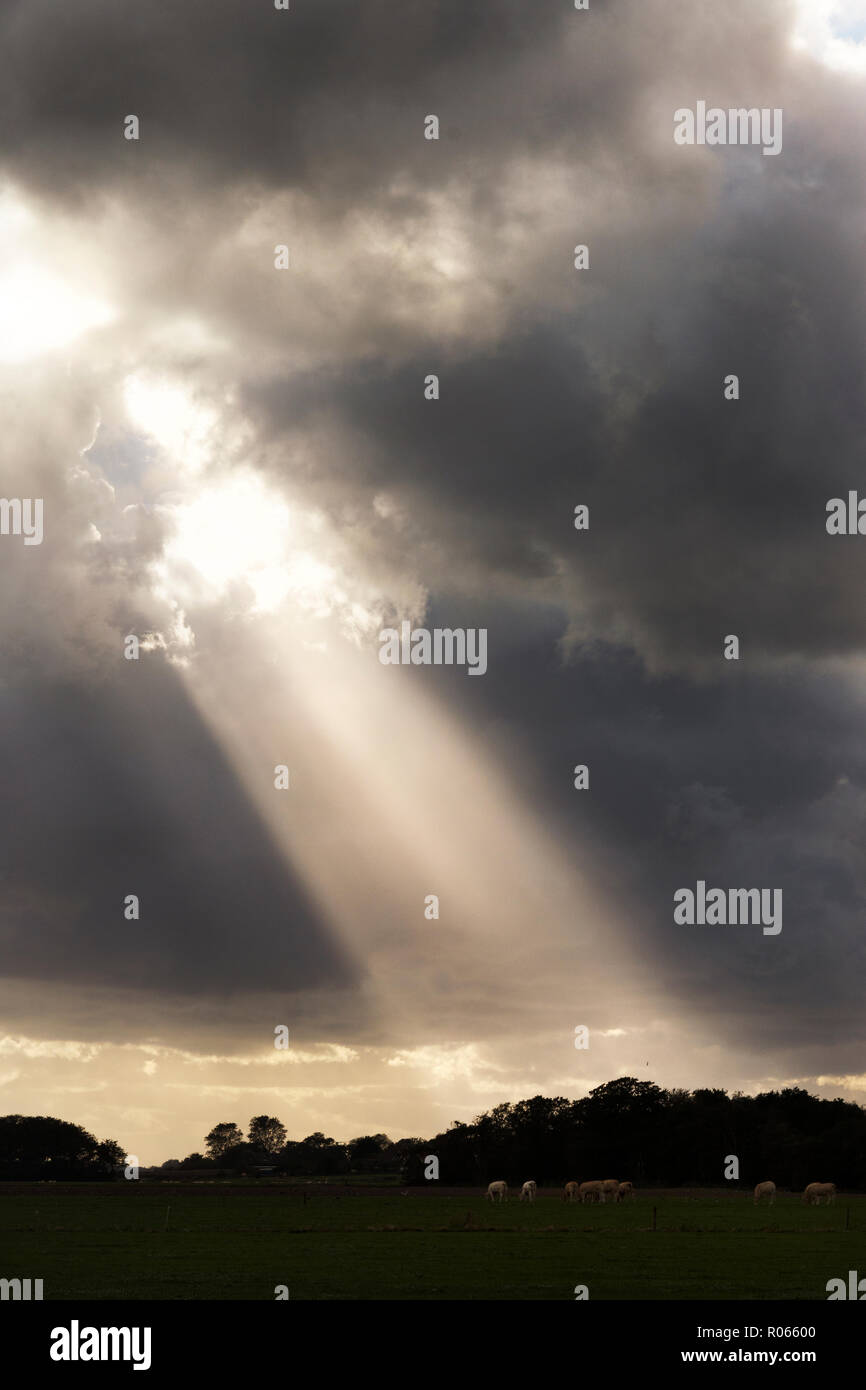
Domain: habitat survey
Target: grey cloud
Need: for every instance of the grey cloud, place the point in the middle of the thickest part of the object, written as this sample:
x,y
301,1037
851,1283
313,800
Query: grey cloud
x,y
119,789
331,97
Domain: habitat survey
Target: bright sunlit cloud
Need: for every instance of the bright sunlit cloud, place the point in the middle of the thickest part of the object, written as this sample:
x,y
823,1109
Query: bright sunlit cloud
x,y
42,307
168,413
39,313
235,530
834,32
239,531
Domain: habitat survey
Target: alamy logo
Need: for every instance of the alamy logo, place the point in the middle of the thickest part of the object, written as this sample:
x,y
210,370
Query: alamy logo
x,y
20,1289
101,1344
737,126
856,1288
846,519
446,646
22,516
736,907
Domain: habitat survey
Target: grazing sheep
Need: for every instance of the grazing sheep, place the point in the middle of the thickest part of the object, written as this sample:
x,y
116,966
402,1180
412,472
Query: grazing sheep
x,y
816,1190
591,1191
765,1189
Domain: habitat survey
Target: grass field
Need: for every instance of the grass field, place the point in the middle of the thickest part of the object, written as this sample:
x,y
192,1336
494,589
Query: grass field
x,y
215,1241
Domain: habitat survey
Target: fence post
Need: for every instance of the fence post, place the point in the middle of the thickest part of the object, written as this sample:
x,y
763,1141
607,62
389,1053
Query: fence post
x,y
847,1217
654,1218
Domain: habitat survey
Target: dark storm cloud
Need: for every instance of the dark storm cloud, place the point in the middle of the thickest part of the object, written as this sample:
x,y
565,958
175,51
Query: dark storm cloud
x,y
330,97
119,790
760,782
707,516
485,482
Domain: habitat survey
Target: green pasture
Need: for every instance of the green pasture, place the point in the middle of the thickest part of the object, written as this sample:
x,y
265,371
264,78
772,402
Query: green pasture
x,y
147,1243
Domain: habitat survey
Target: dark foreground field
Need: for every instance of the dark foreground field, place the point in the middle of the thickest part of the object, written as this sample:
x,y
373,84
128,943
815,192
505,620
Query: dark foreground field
x,y
212,1241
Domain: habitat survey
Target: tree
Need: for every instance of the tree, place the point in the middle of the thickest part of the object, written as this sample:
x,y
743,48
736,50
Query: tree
x,y
110,1154
241,1157
315,1156
267,1133
39,1147
366,1153
222,1137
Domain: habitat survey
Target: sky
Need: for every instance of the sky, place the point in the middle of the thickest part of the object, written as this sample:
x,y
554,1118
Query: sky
x,y
239,465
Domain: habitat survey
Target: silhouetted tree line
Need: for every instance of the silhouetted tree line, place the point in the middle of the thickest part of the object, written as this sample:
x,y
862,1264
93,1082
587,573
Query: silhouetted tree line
x,y
656,1138
626,1128
37,1147
266,1146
